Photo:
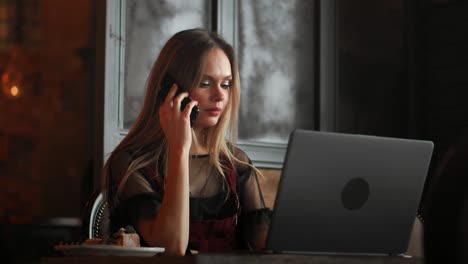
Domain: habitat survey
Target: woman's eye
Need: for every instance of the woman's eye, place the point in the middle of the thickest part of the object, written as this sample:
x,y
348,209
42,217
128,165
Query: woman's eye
x,y
205,84
226,85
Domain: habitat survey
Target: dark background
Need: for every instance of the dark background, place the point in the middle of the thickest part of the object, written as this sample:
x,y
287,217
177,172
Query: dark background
x,y
402,71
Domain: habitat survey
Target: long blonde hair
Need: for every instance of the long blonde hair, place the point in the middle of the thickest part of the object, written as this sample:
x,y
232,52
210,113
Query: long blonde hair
x,y
183,58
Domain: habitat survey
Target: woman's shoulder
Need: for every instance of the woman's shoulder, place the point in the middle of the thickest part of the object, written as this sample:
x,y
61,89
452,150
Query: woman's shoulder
x,y
243,167
120,157
118,163
239,153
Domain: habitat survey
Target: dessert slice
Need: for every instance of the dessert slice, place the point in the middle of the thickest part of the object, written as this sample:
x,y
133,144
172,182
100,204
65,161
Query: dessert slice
x,y
126,237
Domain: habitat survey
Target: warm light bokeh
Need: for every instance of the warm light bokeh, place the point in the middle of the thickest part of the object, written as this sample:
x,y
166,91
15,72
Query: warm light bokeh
x,y
14,91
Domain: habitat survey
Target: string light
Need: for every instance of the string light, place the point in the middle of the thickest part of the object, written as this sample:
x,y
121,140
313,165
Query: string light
x,y
12,82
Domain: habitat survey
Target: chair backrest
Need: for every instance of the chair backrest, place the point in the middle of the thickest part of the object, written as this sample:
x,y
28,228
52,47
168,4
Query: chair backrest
x,y
98,218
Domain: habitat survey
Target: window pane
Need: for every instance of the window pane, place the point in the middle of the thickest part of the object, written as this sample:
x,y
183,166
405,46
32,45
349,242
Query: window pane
x,y
276,59
148,26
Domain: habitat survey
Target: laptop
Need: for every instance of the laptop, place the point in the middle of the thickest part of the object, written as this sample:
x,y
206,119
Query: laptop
x,y
348,194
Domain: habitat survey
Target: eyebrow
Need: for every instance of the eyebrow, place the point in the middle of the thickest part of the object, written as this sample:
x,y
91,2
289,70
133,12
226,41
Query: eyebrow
x,y
211,77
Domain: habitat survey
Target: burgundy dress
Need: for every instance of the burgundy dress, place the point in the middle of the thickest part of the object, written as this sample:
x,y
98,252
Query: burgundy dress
x,y
216,234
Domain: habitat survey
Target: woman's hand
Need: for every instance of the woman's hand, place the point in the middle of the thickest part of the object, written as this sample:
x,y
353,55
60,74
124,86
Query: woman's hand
x,y
176,123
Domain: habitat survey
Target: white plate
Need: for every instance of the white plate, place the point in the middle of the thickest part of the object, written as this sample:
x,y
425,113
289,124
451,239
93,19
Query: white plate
x,y
108,250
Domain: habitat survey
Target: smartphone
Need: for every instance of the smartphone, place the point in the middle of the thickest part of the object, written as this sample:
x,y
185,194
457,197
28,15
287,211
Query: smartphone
x,y
166,85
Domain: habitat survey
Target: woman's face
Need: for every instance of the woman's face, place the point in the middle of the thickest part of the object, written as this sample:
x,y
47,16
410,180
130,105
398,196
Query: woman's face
x,y
213,91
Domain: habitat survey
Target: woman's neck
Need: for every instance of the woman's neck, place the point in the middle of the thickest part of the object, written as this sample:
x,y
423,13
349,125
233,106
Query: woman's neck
x,y
199,146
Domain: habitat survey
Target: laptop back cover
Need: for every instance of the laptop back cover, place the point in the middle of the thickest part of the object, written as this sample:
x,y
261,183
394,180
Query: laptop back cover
x,y
344,193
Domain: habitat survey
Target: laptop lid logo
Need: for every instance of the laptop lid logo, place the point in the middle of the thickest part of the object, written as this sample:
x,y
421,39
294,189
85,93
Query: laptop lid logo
x,y
355,194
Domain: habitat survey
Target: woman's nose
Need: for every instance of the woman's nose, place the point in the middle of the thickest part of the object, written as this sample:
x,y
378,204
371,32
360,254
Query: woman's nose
x,y
218,93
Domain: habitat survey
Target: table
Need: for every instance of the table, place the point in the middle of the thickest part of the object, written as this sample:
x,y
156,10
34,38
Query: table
x,y
234,258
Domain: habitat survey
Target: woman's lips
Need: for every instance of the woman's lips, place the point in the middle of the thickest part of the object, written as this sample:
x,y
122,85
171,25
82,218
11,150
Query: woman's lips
x,y
214,111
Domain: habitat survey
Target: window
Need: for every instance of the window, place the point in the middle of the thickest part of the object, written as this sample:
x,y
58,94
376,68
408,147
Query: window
x,y
276,46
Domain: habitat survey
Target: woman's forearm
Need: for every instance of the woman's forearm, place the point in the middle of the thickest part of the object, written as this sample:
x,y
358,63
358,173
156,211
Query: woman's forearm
x,y
170,229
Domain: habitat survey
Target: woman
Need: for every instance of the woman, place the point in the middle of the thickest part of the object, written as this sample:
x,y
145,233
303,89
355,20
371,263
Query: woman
x,y
186,187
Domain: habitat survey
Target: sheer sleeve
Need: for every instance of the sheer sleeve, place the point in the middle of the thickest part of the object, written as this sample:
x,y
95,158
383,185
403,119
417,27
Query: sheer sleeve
x,y
255,217
137,199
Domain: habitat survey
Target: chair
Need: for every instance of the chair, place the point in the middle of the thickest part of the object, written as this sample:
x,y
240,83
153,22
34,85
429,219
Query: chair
x,y
96,218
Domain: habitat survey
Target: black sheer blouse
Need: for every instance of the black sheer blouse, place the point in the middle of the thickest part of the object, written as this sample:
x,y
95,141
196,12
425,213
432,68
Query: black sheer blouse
x,y
142,195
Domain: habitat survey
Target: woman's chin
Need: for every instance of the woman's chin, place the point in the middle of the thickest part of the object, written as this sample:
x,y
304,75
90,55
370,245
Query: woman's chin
x,y
207,123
